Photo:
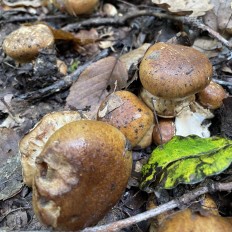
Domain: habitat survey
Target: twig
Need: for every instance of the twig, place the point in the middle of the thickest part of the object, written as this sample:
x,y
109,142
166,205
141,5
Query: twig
x,y
186,198
63,84
120,21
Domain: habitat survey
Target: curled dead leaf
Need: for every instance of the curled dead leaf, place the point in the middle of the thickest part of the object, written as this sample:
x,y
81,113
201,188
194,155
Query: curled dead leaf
x,y
95,83
185,7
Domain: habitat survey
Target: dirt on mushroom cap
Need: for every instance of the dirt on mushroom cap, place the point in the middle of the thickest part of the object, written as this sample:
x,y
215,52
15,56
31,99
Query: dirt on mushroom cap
x,y
174,71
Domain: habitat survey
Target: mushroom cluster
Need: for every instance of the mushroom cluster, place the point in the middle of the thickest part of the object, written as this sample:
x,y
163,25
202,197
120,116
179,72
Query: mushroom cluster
x,y
171,76
67,161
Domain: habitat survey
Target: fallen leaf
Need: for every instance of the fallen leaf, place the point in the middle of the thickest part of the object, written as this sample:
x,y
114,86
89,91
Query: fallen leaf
x,y
10,166
187,160
133,57
219,18
95,83
184,7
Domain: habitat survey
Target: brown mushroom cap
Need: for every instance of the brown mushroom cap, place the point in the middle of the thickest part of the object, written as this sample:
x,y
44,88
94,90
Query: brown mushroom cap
x,y
81,173
212,96
32,143
173,71
130,115
185,221
23,44
76,7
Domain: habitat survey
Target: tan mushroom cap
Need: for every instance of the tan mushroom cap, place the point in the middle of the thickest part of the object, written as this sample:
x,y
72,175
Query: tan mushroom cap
x,y
173,71
81,173
130,115
24,44
212,96
76,7
33,143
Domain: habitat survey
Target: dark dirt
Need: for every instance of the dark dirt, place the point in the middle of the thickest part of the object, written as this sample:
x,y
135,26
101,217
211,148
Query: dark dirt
x,y
21,115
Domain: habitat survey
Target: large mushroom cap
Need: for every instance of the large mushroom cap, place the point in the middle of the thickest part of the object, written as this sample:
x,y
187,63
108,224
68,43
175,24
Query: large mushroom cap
x,y
81,173
173,71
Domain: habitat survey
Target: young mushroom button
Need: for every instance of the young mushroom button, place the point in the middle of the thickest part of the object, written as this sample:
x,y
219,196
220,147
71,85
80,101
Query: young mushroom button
x,y
174,73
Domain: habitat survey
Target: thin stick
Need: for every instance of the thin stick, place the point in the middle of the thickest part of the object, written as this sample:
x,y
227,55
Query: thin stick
x,y
178,202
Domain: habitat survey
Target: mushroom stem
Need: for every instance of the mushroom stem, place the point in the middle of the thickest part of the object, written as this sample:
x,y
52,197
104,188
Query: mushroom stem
x,y
166,108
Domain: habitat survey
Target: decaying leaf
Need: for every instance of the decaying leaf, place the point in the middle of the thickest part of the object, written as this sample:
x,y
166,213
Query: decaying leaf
x,y
95,83
26,3
187,160
219,18
10,166
210,47
184,7
133,57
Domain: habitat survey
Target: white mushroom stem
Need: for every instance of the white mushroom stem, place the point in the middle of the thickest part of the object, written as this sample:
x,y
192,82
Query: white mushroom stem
x,y
166,108
192,121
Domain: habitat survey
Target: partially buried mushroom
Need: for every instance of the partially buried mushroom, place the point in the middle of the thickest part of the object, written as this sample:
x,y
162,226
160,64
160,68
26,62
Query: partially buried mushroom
x,y
80,174
171,75
32,143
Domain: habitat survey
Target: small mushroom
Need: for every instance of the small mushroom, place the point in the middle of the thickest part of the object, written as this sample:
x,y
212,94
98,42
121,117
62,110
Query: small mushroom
x,y
80,174
163,131
173,73
130,115
23,45
32,143
76,7
212,96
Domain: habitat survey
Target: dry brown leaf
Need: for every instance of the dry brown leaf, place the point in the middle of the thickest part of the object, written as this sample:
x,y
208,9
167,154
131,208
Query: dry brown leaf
x,y
87,49
210,47
219,18
193,7
10,167
95,83
133,57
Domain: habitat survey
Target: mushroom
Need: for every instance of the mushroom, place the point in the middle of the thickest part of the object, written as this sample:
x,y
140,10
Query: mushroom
x,y
32,143
194,119
23,45
163,131
186,221
173,75
80,174
130,115
76,7
212,96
